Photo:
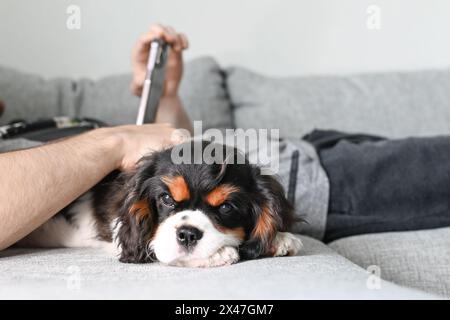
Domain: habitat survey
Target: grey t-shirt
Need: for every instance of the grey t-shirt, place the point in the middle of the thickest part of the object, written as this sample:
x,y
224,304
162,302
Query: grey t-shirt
x,y
298,168
306,184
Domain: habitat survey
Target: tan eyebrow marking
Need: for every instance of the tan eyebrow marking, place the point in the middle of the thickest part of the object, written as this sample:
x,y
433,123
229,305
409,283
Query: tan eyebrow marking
x,y
178,187
220,194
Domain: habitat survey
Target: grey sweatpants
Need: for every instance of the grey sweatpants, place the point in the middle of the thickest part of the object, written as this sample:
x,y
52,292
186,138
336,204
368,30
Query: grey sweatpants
x,y
380,185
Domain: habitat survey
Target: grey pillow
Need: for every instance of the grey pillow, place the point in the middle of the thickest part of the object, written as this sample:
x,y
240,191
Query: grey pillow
x,y
390,104
28,96
204,94
31,97
417,259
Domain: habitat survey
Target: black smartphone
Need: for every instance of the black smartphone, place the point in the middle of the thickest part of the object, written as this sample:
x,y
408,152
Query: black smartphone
x,y
153,83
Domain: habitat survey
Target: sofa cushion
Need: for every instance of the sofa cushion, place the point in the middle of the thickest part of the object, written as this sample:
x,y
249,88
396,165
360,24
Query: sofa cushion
x,y
30,97
204,93
390,104
418,259
318,272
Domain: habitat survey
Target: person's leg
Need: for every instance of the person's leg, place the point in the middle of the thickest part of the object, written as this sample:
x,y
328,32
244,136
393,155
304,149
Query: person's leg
x,y
324,139
387,185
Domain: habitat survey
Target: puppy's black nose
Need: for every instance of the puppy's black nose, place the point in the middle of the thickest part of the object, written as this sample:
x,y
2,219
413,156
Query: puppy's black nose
x,y
188,236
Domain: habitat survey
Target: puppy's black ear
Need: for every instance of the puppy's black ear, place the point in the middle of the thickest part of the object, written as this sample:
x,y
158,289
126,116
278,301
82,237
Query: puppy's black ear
x,y
272,212
136,217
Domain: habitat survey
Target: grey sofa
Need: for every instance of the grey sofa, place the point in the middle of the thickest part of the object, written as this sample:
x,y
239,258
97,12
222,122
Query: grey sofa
x,y
412,265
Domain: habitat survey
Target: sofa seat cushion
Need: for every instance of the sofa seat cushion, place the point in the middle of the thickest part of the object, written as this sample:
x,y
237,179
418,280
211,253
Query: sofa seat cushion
x,y
318,272
417,259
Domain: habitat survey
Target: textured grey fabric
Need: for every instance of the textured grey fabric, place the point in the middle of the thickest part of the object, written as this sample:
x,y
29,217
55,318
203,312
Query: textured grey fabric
x,y
30,97
204,94
390,104
317,273
17,144
417,259
311,186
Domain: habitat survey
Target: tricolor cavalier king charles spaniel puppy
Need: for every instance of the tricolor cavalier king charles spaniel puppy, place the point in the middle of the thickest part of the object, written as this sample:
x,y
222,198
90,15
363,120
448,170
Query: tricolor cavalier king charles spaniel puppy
x,y
194,215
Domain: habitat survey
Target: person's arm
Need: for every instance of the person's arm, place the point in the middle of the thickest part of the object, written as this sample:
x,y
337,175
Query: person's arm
x,y
37,183
170,108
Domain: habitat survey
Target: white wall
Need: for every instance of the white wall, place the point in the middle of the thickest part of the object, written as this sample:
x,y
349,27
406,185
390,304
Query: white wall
x,y
277,37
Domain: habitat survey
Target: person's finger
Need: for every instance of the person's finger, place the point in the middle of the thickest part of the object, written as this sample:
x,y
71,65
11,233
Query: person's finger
x,y
176,45
179,44
184,41
157,28
151,35
170,30
166,33
141,45
143,42
176,41
156,31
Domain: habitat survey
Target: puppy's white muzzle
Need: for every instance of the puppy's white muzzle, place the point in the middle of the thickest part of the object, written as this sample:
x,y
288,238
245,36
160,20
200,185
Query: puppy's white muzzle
x,y
189,235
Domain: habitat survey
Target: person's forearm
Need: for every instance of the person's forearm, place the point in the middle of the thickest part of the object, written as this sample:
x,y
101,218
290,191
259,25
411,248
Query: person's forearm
x,y
171,111
37,183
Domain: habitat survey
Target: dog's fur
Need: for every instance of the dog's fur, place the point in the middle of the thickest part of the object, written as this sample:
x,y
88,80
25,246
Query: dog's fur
x,y
228,211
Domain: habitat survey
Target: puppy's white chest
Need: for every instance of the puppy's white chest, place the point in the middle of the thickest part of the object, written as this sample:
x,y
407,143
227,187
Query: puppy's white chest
x,y
80,231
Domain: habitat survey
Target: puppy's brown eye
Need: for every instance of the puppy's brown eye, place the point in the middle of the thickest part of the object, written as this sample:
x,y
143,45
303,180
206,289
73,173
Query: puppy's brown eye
x,y
225,208
167,200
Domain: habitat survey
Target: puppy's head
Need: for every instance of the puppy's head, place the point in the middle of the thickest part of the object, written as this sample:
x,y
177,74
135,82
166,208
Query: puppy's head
x,y
181,212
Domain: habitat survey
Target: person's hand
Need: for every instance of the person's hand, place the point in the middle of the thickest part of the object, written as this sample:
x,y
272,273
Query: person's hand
x,y
174,67
132,142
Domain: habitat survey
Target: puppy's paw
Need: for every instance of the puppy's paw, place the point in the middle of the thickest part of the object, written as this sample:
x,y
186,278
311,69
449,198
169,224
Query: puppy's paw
x,y
286,244
224,256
